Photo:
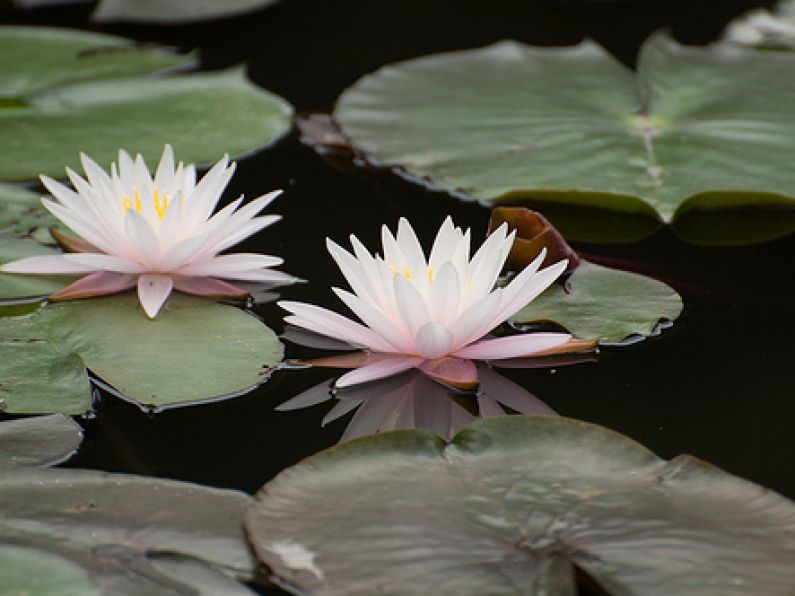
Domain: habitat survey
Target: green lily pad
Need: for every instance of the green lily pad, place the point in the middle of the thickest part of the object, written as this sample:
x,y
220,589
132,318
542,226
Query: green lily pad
x,y
21,211
85,98
196,350
573,125
108,530
606,304
38,441
511,506
14,285
173,11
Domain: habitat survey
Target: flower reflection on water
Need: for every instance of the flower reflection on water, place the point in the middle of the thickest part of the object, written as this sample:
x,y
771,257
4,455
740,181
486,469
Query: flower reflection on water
x,y
412,400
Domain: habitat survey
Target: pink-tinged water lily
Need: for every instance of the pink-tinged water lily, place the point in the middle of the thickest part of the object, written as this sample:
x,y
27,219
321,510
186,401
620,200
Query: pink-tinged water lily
x,y
157,234
431,313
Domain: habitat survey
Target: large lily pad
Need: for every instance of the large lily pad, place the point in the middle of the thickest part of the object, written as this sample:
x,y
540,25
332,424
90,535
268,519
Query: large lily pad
x,y
606,304
511,506
195,350
113,533
38,441
76,93
574,125
21,211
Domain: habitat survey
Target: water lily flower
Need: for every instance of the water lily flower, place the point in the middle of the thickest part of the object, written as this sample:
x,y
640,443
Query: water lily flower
x,y
157,234
432,314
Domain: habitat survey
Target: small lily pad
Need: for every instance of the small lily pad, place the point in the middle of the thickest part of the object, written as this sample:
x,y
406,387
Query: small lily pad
x,y
573,125
69,91
38,441
115,533
513,505
599,302
194,351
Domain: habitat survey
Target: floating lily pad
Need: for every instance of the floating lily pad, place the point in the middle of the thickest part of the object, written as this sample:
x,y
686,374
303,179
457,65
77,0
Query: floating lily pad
x,y
573,125
113,533
14,285
21,211
611,305
511,506
173,11
77,92
195,350
38,441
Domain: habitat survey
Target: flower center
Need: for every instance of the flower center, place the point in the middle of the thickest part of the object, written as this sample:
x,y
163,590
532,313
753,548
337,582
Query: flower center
x,y
160,204
406,272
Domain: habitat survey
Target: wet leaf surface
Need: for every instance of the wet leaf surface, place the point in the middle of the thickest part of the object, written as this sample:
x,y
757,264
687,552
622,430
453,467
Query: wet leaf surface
x,y
173,11
511,506
14,285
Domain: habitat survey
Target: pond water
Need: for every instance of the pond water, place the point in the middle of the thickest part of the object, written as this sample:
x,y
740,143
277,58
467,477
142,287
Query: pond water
x,y
719,384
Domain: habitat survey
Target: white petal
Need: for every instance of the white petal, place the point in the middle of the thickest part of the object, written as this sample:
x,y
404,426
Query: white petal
x,y
477,320
46,264
223,265
434,341
99,262
242,231
353,271
410,305
264,275
378,370
143,240
410,245
153,291
333,325
444,295
165,169
393,333
513,346
445,244
526,288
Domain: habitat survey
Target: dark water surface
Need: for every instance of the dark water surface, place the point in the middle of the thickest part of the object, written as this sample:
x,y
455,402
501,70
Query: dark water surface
x,y
720,384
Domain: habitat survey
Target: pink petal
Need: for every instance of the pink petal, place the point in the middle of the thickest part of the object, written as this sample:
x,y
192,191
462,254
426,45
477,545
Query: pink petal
x,y
99,283
458,373
513,346
153,291
46,264
380,369
347,360
209,286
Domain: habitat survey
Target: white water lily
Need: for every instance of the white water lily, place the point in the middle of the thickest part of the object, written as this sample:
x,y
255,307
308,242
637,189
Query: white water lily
x,y
157,234
431,313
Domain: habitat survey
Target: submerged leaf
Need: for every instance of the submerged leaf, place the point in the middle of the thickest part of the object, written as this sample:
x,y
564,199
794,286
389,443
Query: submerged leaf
x,y
573,125
604,303
38,441
511,506
195,350
77,91
173,11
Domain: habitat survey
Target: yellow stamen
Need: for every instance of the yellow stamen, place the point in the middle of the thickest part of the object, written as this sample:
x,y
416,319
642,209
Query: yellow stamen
x,y
128,204
430,274
160,208
137,201
406,273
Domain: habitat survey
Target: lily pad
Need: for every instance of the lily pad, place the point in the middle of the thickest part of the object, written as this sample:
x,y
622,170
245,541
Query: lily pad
x,y
115,531
173,11
511,506
84,97
15,286
195,350
38,441
21,211
599,302
573,125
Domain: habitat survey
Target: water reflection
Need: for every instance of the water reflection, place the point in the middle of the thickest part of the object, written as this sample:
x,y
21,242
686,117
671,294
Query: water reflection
x,y
412,400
